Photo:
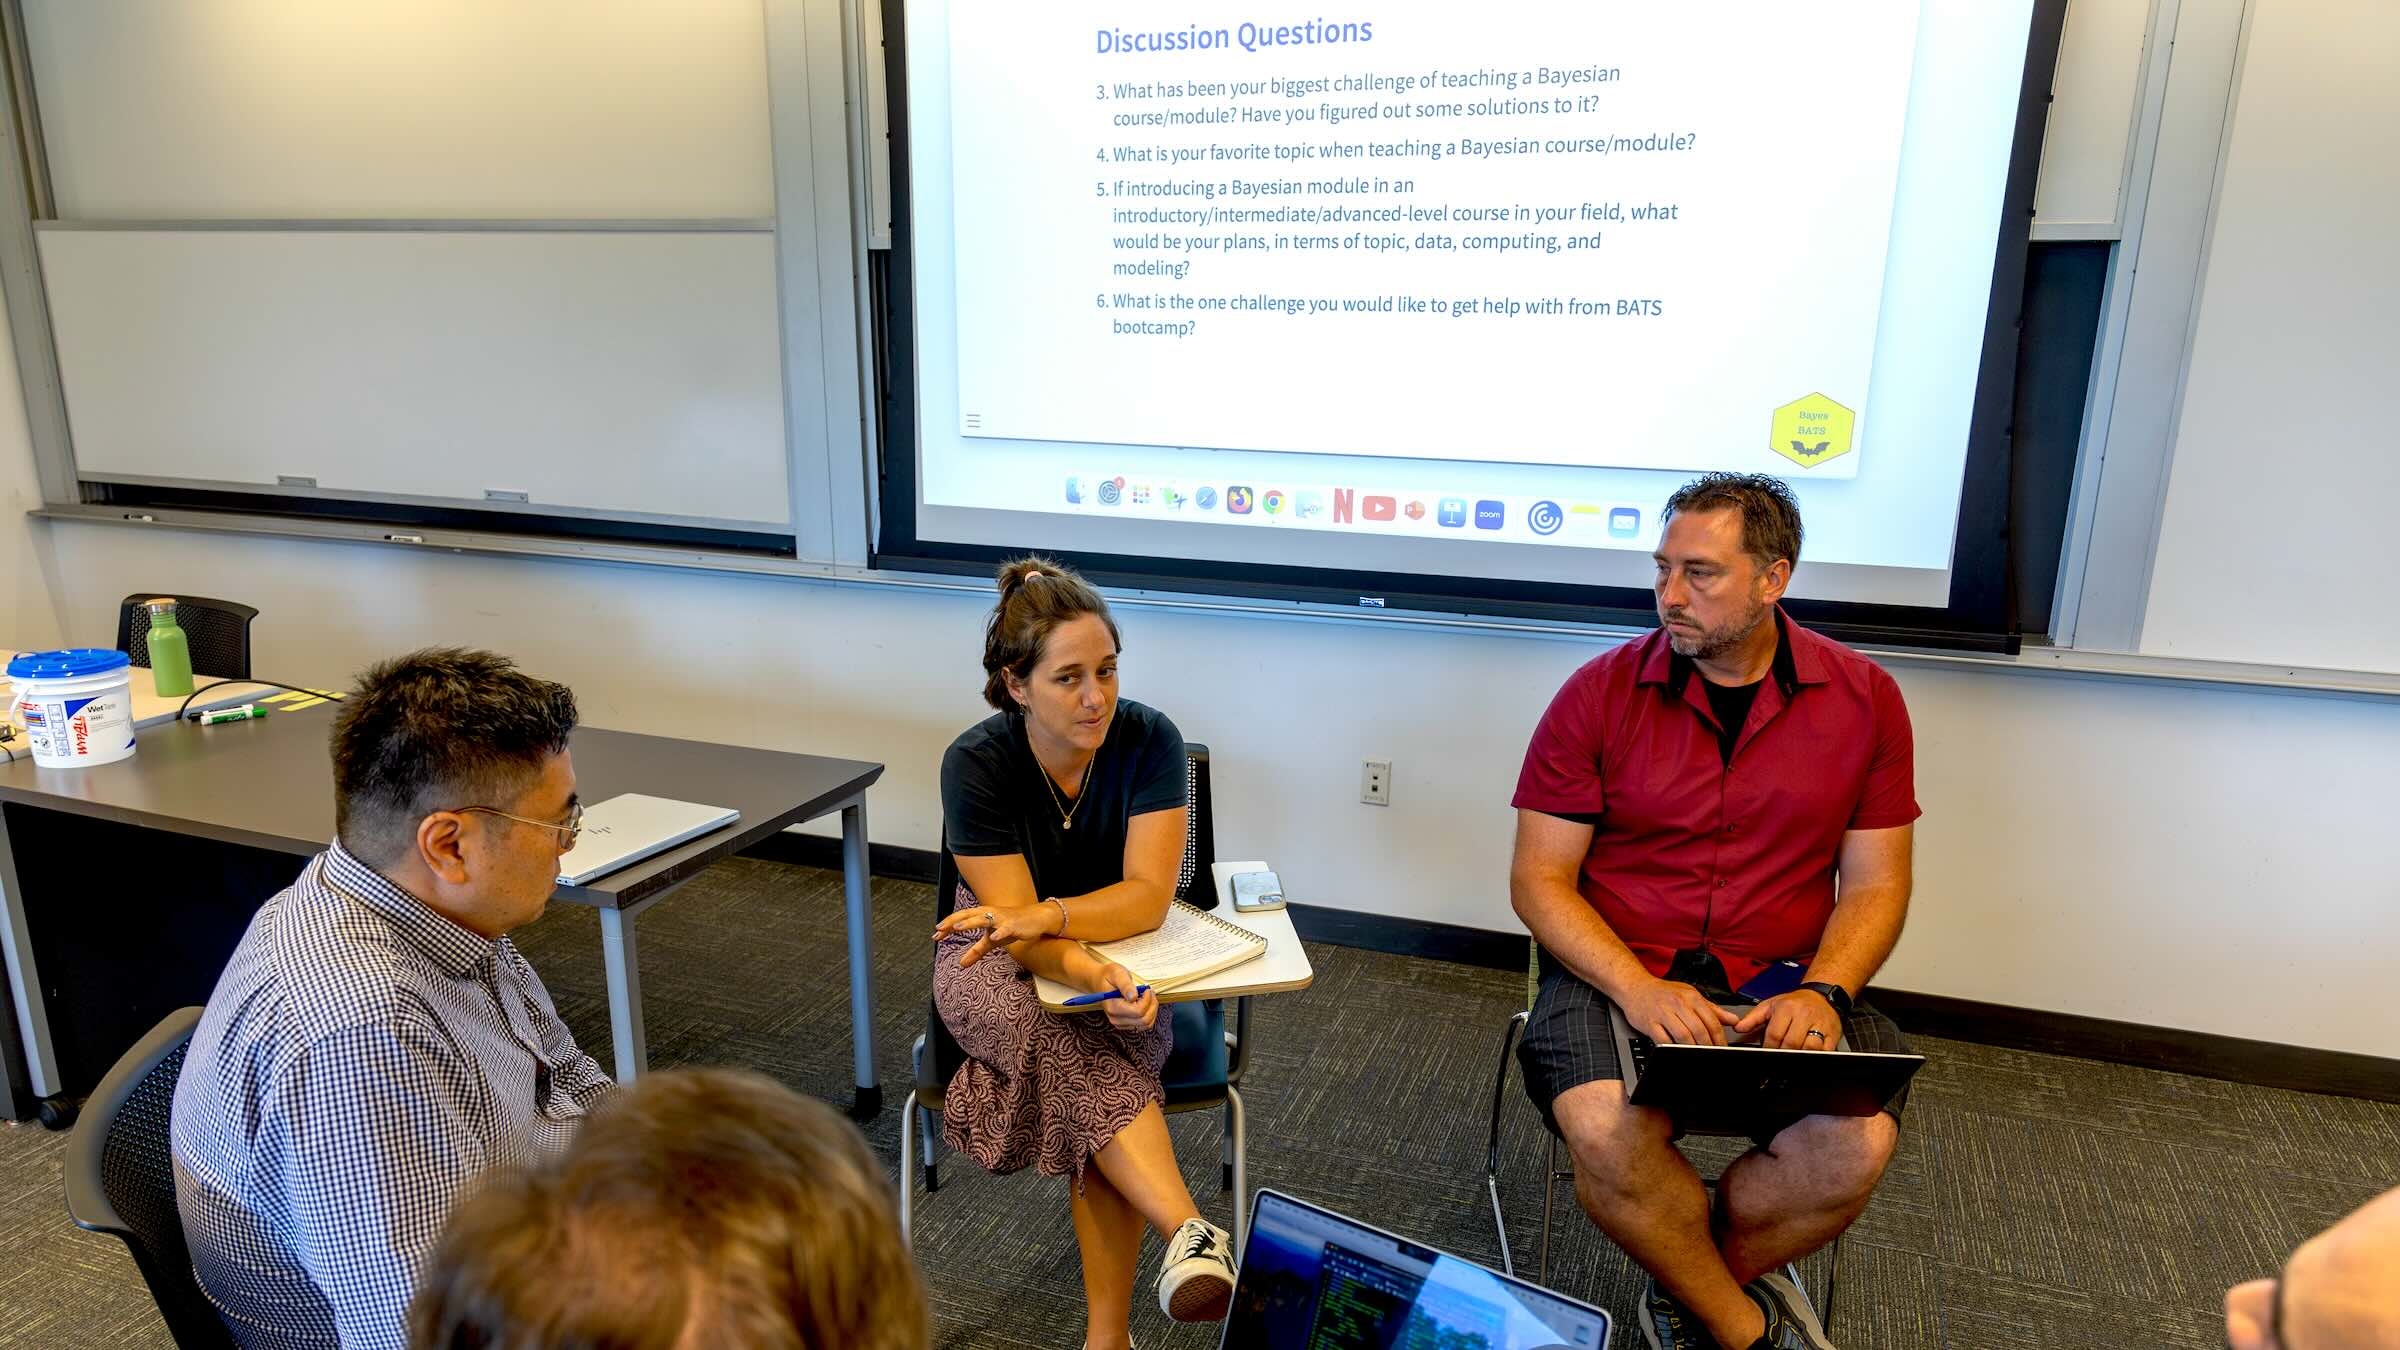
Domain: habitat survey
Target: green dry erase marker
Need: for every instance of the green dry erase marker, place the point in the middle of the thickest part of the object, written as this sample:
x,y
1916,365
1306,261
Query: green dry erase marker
x,y
240,714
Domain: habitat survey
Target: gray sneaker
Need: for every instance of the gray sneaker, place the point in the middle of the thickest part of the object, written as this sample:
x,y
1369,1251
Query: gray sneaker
x,y
1791,1323
1668,1325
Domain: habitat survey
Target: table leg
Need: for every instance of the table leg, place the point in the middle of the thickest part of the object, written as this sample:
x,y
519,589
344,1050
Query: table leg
x,y
25,990
624,969
856,903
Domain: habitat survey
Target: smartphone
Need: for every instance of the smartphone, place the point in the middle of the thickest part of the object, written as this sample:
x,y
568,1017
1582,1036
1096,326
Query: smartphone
x,y
1780,978
1254,891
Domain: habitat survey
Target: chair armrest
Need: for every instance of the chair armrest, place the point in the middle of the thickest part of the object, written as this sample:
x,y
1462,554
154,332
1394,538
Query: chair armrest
x,y
928,1082
1238,1041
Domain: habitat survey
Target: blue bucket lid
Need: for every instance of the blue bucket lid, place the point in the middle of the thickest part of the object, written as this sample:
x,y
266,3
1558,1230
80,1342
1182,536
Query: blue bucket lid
x,y
72,664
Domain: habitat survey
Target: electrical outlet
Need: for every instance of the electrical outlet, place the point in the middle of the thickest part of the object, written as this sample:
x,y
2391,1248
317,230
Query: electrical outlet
x,y
1375,782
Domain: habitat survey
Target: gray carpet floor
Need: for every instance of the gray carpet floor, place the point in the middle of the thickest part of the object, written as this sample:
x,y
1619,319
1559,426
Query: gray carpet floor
x,y
2037,1201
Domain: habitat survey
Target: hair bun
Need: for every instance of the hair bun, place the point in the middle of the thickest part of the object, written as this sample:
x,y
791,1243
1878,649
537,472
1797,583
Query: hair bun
x,y
1014,576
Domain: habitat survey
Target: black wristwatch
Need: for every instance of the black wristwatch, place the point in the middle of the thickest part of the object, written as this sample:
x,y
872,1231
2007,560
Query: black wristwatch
x,y
1833,994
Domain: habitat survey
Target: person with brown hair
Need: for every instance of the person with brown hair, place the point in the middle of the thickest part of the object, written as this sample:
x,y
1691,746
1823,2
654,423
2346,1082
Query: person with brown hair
x,y
1728,794
1065,812
700,1207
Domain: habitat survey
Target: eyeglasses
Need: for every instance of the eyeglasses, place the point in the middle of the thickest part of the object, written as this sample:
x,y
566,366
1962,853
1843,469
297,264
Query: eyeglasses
x,y
572,827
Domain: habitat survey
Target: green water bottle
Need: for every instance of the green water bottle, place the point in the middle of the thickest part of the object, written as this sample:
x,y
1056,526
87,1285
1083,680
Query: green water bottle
x,y
170,651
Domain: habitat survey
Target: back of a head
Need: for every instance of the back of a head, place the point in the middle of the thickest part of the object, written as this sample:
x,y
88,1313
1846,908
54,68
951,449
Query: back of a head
x,y
434,730
697,1208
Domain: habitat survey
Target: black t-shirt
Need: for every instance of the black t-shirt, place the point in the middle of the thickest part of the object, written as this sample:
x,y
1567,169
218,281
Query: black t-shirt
x,y
994,803
1731,703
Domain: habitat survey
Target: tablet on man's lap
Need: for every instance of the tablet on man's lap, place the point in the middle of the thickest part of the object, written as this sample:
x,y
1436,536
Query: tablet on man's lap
x,y
1571,1039
1751,1089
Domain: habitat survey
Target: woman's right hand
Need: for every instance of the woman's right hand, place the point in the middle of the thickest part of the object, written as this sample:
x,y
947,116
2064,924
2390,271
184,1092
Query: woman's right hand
x,y
1127,1011
996,926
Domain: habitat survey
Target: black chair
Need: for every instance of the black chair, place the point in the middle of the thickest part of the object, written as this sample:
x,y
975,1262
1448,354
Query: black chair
x,y
1203,1071
219,631
1553,1173
120,1179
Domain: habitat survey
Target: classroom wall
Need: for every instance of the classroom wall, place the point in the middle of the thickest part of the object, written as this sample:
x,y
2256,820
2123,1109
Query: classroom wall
x,y
2212,859
2208,859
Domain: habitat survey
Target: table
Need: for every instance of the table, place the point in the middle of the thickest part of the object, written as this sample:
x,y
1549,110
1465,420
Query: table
x,y
149,709
216,819
1282,967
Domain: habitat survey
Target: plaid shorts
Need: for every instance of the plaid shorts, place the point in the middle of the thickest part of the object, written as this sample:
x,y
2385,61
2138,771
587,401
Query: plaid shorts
x,y
1568,1043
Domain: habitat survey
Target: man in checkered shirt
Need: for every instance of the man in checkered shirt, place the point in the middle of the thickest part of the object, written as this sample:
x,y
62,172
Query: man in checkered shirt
x,y
376,1041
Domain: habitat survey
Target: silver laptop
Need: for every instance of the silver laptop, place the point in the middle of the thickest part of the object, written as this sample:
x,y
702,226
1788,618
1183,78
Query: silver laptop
x,y
1741,1089
1312,1279
630,827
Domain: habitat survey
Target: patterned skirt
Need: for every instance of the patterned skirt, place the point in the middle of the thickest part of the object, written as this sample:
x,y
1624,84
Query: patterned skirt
x,y
1038,1087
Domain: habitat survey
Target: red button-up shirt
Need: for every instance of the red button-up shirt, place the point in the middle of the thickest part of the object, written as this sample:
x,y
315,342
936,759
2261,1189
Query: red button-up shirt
x,y
1690,852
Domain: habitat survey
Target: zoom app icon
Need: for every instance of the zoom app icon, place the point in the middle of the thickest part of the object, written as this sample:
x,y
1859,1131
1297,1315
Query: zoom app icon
x,y
1545,518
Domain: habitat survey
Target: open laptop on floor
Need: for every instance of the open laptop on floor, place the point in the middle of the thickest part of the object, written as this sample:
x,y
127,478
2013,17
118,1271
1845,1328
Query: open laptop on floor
x,y
1314,1280
1733,1089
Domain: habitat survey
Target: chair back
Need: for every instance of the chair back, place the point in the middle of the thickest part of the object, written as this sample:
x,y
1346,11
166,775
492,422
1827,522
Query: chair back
x,y
943,1054
1193,884
120,1177
218,630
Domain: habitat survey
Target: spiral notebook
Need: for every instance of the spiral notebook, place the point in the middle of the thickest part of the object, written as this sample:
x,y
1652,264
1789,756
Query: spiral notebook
x,y
1192,944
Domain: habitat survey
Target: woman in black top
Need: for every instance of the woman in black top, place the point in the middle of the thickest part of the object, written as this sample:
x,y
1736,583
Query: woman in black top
x,y
1065,813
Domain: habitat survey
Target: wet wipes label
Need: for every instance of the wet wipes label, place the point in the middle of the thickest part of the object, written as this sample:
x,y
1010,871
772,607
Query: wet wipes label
x,y
79,728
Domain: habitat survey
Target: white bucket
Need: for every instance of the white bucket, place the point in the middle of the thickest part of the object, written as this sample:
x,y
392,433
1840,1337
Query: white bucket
x,y
77,706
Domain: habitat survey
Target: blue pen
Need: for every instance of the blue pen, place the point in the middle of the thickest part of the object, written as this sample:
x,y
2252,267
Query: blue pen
x,y
1087,1000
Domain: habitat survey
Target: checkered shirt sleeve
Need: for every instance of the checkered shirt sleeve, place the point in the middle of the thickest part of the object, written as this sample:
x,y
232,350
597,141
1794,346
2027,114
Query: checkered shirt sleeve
x,y
370,1136
573,1071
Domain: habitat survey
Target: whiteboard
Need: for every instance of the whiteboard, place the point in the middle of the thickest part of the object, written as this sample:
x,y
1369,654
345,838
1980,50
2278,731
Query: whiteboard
x,y
403,109
631,374
2090,129
2275,538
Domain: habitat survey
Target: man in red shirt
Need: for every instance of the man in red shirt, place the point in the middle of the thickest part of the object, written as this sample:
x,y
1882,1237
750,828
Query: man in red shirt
x,y
1686,807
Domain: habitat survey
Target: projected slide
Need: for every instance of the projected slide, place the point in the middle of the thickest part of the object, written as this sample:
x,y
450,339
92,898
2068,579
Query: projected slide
x,y
1417,290
1592,235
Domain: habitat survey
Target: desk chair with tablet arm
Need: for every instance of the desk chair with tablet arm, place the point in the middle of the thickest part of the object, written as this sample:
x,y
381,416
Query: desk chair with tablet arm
x,y
1203,1071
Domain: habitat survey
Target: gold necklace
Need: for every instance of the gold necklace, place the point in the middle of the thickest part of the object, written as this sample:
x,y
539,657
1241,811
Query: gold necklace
x,y
1066,813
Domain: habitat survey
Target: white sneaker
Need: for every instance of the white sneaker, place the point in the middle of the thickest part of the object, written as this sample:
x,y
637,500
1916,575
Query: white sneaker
x,y
1195,1282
